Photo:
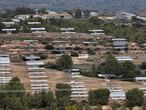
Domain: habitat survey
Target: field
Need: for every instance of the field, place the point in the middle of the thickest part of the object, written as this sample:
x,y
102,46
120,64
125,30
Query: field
x,y
55,77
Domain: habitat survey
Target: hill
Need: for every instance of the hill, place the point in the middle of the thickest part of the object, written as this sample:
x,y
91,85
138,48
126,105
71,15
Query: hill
x,y
104,5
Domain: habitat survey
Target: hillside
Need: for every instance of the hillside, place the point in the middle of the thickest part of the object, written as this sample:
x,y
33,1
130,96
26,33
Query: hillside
x,y
106,5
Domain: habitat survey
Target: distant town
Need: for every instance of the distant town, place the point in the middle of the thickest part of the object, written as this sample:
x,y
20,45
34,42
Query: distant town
x,y
72,60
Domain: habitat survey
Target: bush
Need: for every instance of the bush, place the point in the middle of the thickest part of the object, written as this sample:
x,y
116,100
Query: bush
x,y
65,61
143,65
49,47
52,66
135,97
99,96
91,52
43,55
74,54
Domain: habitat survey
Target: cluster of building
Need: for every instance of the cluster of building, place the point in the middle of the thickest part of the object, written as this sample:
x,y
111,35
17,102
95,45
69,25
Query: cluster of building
x,y
78,89
5,69
37,74
45,16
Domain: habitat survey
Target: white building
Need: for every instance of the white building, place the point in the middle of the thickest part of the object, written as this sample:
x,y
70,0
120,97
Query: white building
x,y
44,16
23,16
125,15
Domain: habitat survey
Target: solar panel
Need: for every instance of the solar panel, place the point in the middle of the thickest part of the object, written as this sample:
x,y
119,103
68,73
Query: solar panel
x,y
38,29
33,23
38,76
38,85
29,63
6,30
39,88
38,81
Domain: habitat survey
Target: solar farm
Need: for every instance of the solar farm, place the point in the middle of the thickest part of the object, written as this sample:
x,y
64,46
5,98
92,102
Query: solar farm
x,y
35,77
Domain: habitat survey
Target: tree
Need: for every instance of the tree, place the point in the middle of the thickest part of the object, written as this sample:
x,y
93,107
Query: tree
x,y
49,47
15,85
102,96
35,100
144,104
43,11
91,51
143,65
65,61
41,100
1,26
78,13
63,93
99,96
129,70
135,97
112,66
24,10
94,70
95,21
92,98
13,98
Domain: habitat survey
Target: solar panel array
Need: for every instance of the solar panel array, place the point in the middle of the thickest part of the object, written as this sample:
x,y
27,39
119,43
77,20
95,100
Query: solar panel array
x,y
5,71
117,93
69,30
78,89
37,74
97,32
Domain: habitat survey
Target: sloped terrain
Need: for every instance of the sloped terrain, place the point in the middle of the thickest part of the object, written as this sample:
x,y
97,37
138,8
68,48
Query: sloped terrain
x,y
105,5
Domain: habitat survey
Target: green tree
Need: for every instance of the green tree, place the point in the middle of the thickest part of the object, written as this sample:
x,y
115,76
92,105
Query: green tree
x,y
78,13
49,47
43,11
144,104
99,96
129,70
135,97
112,66
13,96
94,70
102,96
15,85
92,98
42,100
63,93
35,100
65,61
23,10
95,21
143,65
